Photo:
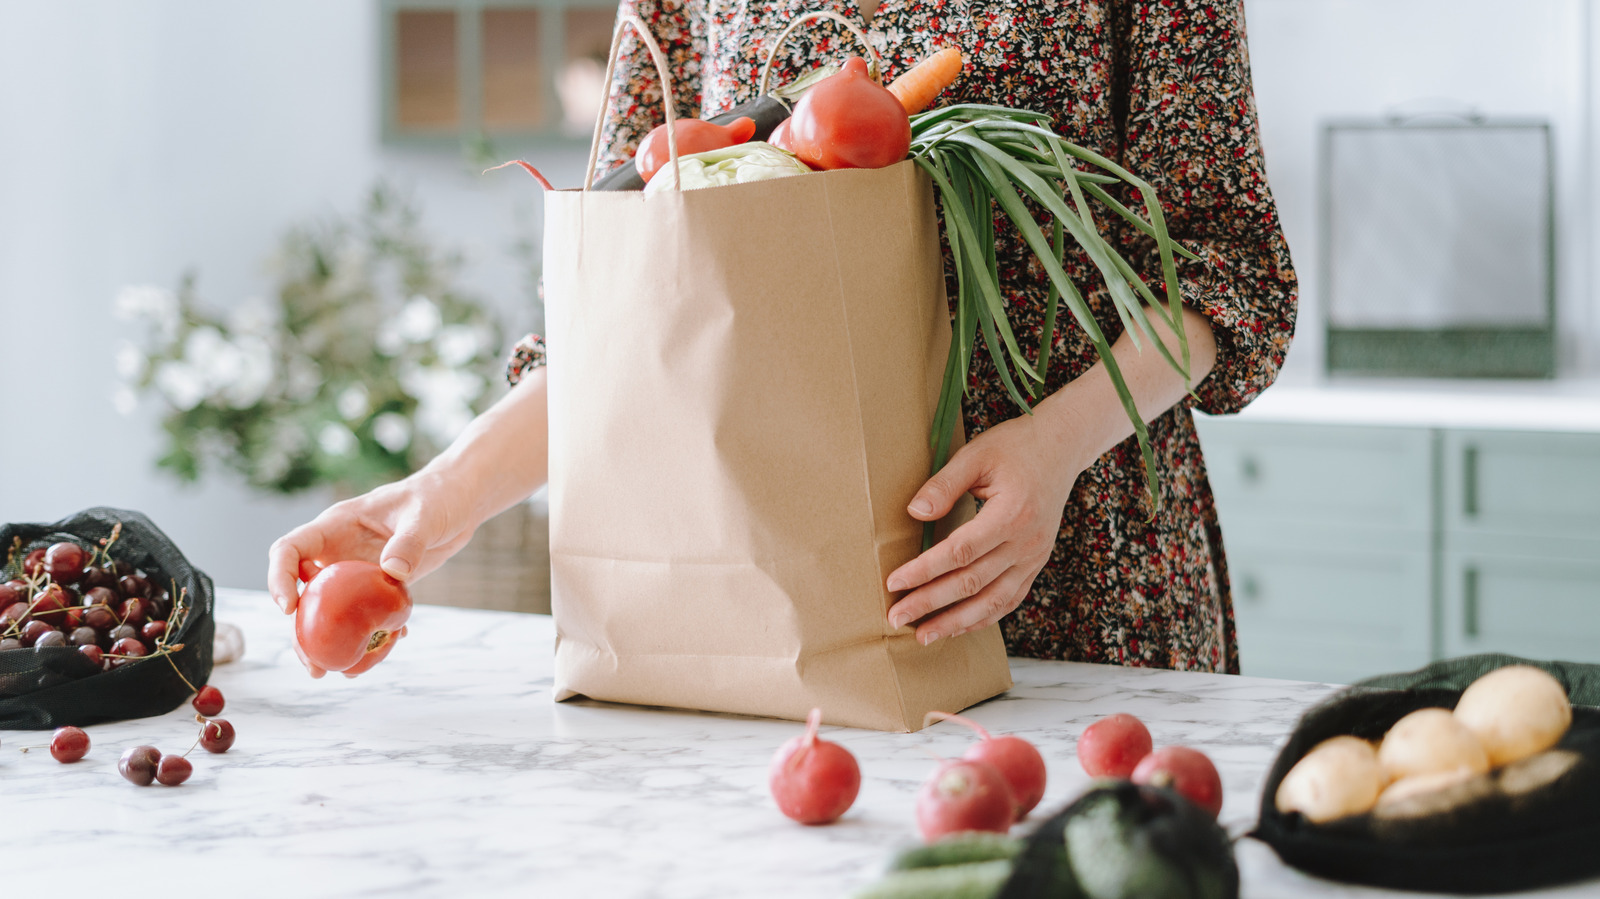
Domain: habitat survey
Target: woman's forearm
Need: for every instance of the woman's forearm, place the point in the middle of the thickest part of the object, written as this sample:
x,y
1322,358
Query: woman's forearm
x,y
1089,415
502,456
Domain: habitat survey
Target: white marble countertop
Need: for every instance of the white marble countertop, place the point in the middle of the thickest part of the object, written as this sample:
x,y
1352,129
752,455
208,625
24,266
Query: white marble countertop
x,y
448,771
1558,405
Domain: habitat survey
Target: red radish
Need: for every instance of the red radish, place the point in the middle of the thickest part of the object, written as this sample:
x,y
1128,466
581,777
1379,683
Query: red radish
x,y
1114,746
814,781
1015,758
1185,771
964,795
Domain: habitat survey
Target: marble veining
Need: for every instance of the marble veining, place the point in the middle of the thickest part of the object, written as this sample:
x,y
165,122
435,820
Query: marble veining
x,y
449,771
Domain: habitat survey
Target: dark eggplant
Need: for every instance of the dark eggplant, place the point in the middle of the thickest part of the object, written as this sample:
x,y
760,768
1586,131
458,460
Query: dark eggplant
x,y
1127,841
767,112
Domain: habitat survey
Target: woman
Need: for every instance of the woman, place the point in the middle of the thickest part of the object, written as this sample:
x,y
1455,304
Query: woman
x,y
1065,552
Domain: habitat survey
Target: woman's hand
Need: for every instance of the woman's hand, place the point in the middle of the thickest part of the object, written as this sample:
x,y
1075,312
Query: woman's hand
x,y
1023,470
408,527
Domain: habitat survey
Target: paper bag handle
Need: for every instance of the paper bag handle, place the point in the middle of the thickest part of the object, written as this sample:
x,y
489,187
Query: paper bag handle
x,y
667,102
874,66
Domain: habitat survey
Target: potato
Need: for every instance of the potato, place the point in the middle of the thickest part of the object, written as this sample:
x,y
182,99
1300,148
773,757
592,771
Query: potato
x,y
1515,712
1337,778
1430,741
1432,794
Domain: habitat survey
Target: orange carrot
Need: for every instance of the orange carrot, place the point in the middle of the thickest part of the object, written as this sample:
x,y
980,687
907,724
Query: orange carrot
x,y
922,82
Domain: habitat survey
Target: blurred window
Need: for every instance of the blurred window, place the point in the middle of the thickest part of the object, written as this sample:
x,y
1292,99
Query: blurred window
x,y
455,69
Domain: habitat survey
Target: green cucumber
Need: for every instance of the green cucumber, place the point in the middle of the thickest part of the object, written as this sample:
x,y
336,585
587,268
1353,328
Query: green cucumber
x,y
978,880
959,849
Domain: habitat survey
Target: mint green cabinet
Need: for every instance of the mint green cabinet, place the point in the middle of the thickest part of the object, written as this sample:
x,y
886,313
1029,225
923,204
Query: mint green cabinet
x,y
1356,551
1328,533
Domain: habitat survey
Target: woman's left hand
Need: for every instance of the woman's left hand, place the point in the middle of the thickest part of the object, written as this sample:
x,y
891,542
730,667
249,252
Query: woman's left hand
x,y
1023,470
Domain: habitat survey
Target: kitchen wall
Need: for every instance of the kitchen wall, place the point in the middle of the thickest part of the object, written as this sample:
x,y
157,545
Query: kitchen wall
x,y
139,140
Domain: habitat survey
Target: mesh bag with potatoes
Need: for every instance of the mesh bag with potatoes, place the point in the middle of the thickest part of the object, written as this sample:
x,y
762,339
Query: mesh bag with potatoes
x,y
1413,781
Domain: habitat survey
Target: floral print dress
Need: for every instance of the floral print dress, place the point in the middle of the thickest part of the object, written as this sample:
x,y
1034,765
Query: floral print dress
x,y
1163,88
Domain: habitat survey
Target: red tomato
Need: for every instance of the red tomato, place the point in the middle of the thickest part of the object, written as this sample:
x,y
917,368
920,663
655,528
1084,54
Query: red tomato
x,y
694,136
349,618
848,121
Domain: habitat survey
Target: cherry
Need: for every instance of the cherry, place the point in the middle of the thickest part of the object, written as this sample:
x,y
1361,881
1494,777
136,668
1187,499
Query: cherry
x,y
208,701
134,585
216,735
101,596
10,643
138,764
72,618
49,601
64,562
51,638
160,607
124,632
173,770
33,630
153,630
95,576
69,744
10,593
100,618
33,563
93,652
16,614
121,569
133,611
128,646
85,636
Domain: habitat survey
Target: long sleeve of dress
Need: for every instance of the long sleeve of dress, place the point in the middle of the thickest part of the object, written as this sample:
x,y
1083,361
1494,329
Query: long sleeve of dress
x,y
1191,130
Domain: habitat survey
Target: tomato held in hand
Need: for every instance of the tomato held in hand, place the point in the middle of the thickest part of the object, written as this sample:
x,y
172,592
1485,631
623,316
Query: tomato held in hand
x,y
349,618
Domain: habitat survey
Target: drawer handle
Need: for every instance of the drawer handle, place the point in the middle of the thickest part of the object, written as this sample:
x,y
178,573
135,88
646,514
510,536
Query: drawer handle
x,y
1250,469
1469,481
1469,602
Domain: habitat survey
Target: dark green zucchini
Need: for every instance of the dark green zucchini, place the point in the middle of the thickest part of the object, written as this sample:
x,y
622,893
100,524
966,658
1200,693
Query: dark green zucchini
x,y
978,880
959,849
767,113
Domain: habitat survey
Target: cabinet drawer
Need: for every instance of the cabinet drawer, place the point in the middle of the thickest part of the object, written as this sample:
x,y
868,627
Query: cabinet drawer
x,y
1541,608
1311,613
1376,479
1522,484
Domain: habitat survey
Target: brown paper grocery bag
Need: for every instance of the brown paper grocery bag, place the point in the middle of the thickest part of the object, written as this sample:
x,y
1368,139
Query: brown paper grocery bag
x,y
742,381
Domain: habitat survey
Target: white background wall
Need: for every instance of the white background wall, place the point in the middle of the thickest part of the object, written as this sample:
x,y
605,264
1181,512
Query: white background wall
x,y
142,138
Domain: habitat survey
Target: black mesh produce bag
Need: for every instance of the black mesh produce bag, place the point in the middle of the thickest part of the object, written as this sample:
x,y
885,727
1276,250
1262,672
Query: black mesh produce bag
x,y
55,686
1545,832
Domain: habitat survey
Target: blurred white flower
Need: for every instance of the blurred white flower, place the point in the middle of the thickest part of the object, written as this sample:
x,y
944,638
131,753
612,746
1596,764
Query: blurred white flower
x,y
286,442
254,375
353,403
124,400
458,344
130,362
255,316
158,305
337,440
304,378
388,339
219,362
419,320
392,431
181,384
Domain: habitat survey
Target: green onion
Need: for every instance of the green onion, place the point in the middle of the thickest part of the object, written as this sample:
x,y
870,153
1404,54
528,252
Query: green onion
x,y
981,157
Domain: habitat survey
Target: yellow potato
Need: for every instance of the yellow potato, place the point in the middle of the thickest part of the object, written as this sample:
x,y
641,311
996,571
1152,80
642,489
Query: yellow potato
x,y
1337,778
1430,741
1515,712
1432,794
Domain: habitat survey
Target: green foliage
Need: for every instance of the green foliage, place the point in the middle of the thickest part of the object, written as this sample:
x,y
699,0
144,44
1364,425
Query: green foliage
x,y
366,363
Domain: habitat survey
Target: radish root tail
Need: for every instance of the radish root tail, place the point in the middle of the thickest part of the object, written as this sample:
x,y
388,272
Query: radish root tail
x,y
946,716
543,181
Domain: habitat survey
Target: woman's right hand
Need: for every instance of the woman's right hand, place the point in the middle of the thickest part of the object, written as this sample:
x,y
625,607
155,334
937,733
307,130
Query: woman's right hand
x,y
409,528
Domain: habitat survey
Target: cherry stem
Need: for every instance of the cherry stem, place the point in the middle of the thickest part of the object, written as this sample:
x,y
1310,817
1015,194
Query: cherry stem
x,y
946,716
192,687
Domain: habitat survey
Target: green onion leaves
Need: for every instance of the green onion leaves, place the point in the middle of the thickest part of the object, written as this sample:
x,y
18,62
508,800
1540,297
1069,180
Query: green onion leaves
x,y
982,157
